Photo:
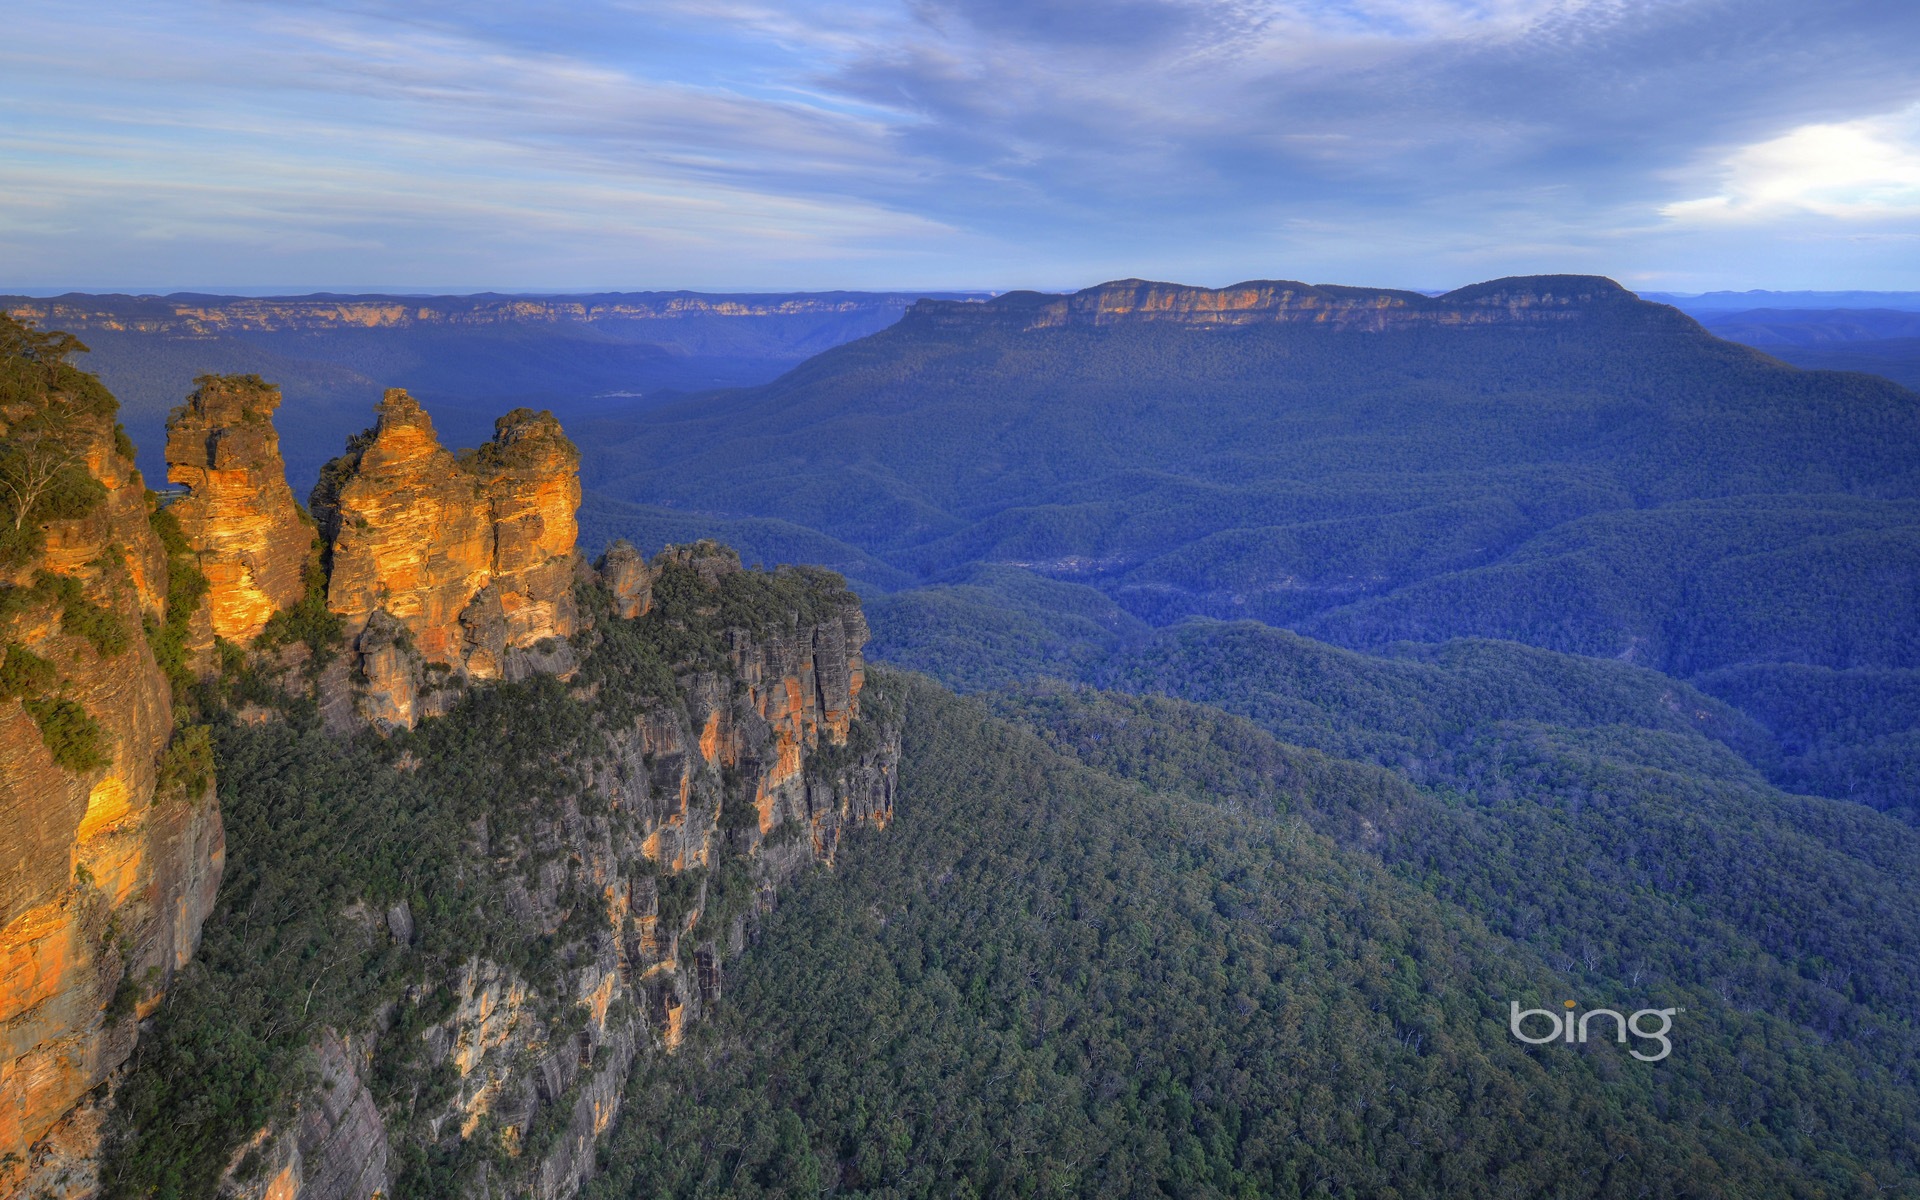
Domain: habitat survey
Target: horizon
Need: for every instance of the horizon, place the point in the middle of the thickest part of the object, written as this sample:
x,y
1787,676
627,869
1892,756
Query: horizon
x,y
304,292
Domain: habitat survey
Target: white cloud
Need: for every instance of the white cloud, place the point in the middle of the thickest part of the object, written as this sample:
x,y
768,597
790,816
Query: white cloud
x,y
1863,169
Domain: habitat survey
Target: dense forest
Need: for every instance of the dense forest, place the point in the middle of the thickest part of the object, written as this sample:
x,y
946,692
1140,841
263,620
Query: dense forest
x,y
1333,694
1141,948
375,882
1621,485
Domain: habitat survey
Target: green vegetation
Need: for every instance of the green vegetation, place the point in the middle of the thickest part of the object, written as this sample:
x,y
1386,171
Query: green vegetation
x,y
1619,485
323,836
73,737
24,673
186,588
49,409
100,625
186,766
326,834
1043,979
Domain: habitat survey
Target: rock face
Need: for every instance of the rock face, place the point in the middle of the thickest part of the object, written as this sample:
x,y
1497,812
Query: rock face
x,y
628,578
727,751
109,860
238,514
447,569
1528,300
752,761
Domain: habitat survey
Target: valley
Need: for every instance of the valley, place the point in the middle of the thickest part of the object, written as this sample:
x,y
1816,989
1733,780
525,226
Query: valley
x,y
1196,719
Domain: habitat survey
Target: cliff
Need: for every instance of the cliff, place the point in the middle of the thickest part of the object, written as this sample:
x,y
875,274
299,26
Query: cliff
x,y
1528,300
200,315
110,837
581,845
448,569
238,514
613,839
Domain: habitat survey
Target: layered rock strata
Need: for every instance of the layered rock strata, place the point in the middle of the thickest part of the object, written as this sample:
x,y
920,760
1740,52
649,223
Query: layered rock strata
x,y
447,569
747,769
109,853
1531,300
706,786
238,513
628,579
204,316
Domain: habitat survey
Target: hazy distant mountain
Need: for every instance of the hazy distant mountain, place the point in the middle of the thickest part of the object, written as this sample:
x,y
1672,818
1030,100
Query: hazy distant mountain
x,y
1770,327
1548,460
1880,341
468,357
1704,302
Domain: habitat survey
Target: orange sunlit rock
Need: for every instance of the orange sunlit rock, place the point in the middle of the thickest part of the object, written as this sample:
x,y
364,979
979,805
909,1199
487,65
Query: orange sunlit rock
x,y
238,512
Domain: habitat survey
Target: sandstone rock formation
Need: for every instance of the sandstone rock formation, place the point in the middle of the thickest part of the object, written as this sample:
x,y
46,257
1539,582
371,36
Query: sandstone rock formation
x,y
447,569
628,578
740,757
701,805
110,852
1530,300
238,514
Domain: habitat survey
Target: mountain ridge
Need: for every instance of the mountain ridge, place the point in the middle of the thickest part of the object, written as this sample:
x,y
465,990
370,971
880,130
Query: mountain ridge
x,y
1517,299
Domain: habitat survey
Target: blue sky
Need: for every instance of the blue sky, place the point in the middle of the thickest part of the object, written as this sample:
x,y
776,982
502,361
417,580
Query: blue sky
x,y
1678,145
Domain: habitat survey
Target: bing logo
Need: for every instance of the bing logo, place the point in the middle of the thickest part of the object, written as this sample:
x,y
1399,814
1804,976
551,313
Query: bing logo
x,y
1570,1028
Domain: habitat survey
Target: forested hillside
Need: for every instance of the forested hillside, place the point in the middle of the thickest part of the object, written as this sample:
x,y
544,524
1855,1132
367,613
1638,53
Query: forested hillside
x,y
1141,949
1350,668
1550,461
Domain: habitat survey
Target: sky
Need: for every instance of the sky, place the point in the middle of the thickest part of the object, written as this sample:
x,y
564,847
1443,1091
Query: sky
x,y
1675,145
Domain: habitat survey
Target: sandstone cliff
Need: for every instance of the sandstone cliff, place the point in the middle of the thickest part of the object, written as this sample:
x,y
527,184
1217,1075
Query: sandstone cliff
x,y
1530,300
618,832
238,514
729,751
447,569
110,838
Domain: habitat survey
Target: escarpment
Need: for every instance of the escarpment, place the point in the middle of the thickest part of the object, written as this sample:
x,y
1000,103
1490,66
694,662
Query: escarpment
x,y
451,938
110,837
499,909
583,856
1530,300
238,513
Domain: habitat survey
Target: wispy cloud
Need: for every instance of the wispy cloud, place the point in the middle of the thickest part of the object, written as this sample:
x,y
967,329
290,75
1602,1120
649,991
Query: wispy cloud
x,y
976,142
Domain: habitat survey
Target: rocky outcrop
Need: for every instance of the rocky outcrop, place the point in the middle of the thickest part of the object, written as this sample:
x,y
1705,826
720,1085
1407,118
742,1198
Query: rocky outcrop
x,y
628,578
337,1149
110,837
450,569
1529,300
727,751
704,792
238,513
530,474
708,784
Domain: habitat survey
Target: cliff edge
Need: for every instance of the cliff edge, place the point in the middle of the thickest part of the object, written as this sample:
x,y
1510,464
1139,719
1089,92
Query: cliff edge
x,y
111,844
1520,300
